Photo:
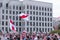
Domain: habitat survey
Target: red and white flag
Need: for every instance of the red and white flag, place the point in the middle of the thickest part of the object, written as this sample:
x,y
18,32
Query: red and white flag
x,y
12,26
24,16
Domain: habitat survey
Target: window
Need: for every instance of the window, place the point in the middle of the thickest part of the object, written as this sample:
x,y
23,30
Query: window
x,y
42,13
48,29
36,7
45,24
16,17
27,6
27,12
50,14
48,19
30,23
40,29
19,12
16,29
2,22
6,17
30,12
36,23
42,18
2,16
50,9
36,18
48,24
13,12
43,29
13,6
45,14
33,17
0,4
6,5
3,28
27,29
33,12
33,29
51,19
20,8
6,23
36,29
36,13
39,18
39,24
30,29
9,29
13,17
39,8
10,11
45,19
6,29
19,18
33,7
33,23
16,23
19,23
51,24
42,8
27,23
45,9
10,17
39,13
16,7
3,11
30,17
6,11
16,12
42,24
19,29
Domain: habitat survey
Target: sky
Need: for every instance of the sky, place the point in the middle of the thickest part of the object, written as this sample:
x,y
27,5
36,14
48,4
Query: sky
x,y
56,7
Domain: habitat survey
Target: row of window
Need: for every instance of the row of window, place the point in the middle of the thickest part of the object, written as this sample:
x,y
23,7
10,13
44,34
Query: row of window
x,y
40,18
31,29
31,23
39,13
39,24
10,12
31,13
32,7
31,18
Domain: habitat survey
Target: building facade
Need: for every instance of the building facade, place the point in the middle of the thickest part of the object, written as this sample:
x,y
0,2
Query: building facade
x,y
40,15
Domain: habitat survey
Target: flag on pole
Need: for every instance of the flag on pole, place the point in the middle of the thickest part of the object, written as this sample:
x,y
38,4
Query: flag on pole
x,y
24,16
12,26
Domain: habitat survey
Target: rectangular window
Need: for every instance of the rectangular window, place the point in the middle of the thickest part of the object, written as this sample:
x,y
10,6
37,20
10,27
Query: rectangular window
x,y
51,19
20,8
30,23
0,4
40,29
39,13
50,9
16,7
6,29
42,8
39,24
6,11
16,28
6,5
33,7
36,23
45,24
16,23
51,24
39,18
39,8
19,29
36,29
6,17
16,17
42,13
2,22
45,14
48,19
27,23
33,17
45,9
13,12
42,24
43,29
27,12
13,6
27,6
48,24
36,18
2,16
10,17
10,12
6,23
19,23
3,28
3,11
33,23
33,12
50,14
36,13
27,29
42,18
45,19
13,17
33,29
36,7
30,17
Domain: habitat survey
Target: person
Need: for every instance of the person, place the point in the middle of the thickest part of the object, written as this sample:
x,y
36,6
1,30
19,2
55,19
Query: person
x,y
55,37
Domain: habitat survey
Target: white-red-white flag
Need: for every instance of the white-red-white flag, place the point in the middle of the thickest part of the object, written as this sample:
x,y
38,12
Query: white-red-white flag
x,y
24,16
12,26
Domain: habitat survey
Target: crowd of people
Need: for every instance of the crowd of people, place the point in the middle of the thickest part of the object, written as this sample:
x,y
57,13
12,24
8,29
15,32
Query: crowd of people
x,y
29,36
